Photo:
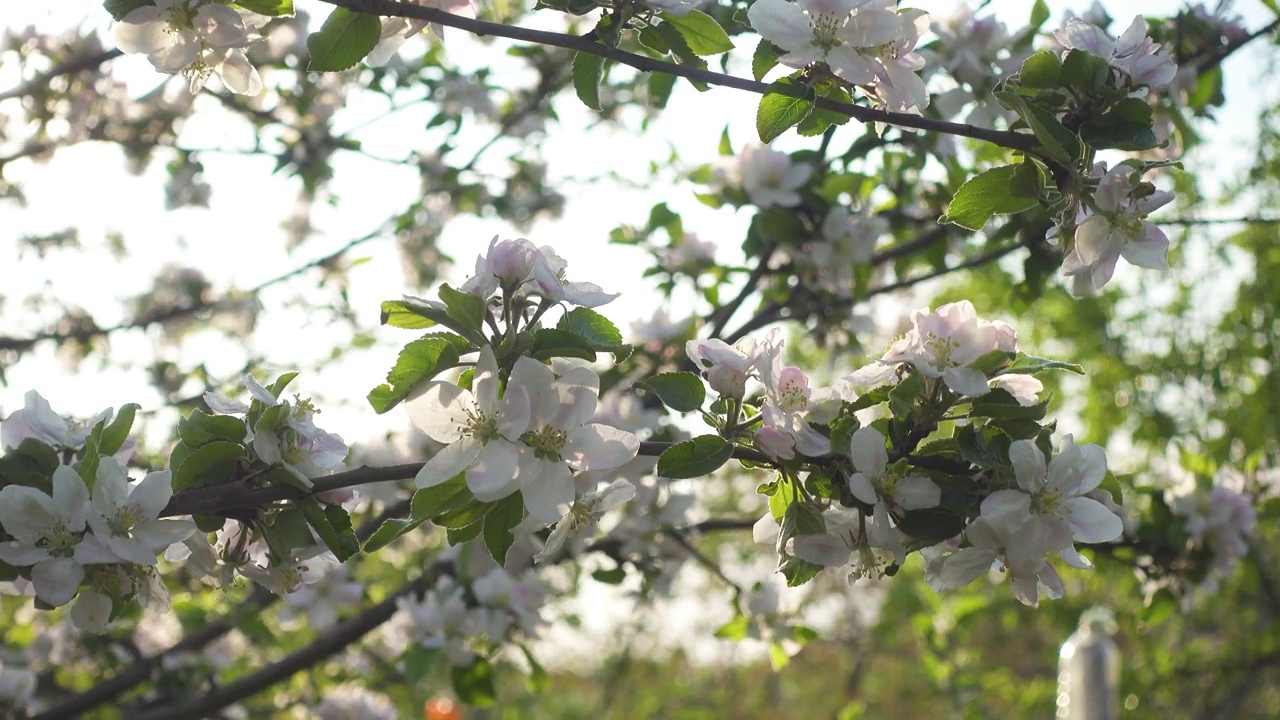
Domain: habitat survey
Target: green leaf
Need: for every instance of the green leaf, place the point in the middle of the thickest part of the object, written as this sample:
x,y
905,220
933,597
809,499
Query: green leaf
x,y
474,683
114,435
120,8
506,514
984,447
209,523
287,531
466,533
419,361
588,70
450,495
1158,607
281,383
390,530
703,34
660,87
1085,70
1129,136
694,458
210,464
332,525
1032,365
592,327
779,112
985,194
467,309
398,314
89,461
553,342
652,40
736,629
821,119
680,391
199,428
681,52
344,39
1000,404
765,58
902,397
1039,14
271,8
1042,71
464,516
32,463
610,577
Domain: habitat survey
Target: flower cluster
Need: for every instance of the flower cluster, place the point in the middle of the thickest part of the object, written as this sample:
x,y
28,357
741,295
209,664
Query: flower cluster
x,y
867,43
85,524
1218,521
1141,62
517,267
194,38
1047,512
949,344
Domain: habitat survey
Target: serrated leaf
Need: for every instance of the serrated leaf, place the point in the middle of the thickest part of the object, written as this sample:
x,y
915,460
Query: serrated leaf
x,y
779,112
467,514
450,495
765,58
390,530
1041,71
332,526
694,458
680,391
1000,404
467,309
588,70
701,33
593,327
287,531
344,39
270,8
506,514
212,463
985,194
418,362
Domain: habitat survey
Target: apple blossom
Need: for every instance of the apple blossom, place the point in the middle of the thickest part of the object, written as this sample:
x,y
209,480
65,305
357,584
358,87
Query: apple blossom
x,y
561,439
481,432
194,38
769,177
728,367
586,511
1133,53
395,30
1116,227
49,534
834,32
125,519
38,421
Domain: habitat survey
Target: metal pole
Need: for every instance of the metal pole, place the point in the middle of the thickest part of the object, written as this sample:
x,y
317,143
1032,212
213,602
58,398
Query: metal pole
x,y
1089,670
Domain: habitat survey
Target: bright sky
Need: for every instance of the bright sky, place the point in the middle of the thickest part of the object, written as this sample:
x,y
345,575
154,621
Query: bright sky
x,y
237,242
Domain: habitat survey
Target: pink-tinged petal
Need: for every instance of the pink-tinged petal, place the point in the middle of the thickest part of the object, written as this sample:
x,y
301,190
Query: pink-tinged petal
x,y
861,487
447,463
776,442
484,382
851,65
866,449
1149,251
1132,36
1096,239
585,294
144,30
810,442
494,474
260,393
548,497
239,75
873,374
222,27
614,495
916,493
26,513
1091,521
966,381
46,424
110,488
782,23
56,580
1103,270
1026,589
964,566
1028,465
441,410
871,27
266,444
982,534
1051,582
1073,558
599,447
71,497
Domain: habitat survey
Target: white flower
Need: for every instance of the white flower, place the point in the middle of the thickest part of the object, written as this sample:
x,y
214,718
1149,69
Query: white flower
x,y
1118,228
126,521
875,485
942,344
829,31
193,38
395,30
790,404
1134,53
48,534
38,421
562,440
322,599
586,511
550,277
897,85
768,176
508,264
727,367
481,432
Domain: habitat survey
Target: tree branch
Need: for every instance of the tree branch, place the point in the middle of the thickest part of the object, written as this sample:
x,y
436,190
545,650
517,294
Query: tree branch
x,y
1014,141
67,67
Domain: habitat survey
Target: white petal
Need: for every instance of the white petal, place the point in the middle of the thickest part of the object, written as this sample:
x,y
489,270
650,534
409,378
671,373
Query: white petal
x,y
765,531
862,489
599,447
440,410
493,476
222,405
1007,510
71,497
866,449
549,496
1028,465
447,463
1149,251
917,493
238,75
56,580
964,566
966,381
110,488
539,382
821,549
515,416
782,23
26,513
1091,521
91,612
142,31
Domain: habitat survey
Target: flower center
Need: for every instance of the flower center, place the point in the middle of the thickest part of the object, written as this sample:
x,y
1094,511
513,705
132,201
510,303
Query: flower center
x,y
547,442
124,521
